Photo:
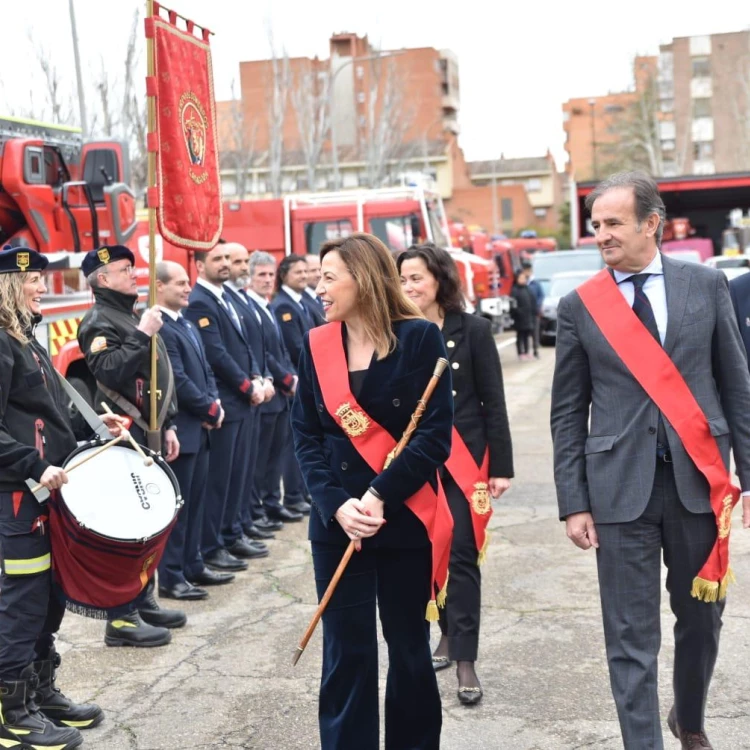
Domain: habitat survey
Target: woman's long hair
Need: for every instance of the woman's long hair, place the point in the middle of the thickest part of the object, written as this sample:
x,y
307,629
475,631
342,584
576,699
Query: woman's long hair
x,y
15,316
381,299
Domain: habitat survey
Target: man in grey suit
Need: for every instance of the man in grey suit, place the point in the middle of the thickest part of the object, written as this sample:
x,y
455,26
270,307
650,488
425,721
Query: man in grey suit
x,y
625,483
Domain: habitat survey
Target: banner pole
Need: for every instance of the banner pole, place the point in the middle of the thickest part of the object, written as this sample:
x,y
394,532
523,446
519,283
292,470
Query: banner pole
x,y
153,423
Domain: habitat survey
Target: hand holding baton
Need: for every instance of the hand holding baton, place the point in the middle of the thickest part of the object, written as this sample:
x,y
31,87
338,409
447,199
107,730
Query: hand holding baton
x,y
405,438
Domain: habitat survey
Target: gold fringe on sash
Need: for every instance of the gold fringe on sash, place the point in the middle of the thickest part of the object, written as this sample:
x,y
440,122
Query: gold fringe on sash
x,y
432,614
443,593
483,552
712,591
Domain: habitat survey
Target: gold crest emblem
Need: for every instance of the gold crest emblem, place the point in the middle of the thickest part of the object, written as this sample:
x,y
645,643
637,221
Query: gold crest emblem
x,y
103,255
23,261
353,422
725,518
195,132
480,499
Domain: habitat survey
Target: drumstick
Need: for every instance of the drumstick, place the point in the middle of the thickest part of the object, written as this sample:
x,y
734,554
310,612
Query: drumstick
x,y
408,432
91,455
147,460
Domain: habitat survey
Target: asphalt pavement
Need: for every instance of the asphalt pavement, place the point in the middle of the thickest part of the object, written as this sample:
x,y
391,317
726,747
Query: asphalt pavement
x,y
226,680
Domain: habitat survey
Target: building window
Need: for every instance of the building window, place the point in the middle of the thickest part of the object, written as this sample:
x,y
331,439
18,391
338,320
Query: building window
x,y
361,97
350,179
534,185
701,108
540,213
704,167
360,72
702,129
666,89
507,209
700,45
667,130
669,168
613,109
668,146
701,67
666,105
703,151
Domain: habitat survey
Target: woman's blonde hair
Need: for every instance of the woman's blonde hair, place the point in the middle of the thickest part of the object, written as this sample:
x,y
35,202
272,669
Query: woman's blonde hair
x,y
15,316
381,299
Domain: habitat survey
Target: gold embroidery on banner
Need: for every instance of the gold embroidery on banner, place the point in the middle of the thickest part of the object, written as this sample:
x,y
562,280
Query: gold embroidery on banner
x,y
353,422
480,499
725,518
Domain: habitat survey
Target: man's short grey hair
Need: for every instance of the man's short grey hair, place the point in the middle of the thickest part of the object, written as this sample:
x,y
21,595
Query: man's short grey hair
x,y
93,279
261,258
647,198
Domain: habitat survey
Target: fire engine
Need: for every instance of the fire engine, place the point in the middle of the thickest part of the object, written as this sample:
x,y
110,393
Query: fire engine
x,y
65,197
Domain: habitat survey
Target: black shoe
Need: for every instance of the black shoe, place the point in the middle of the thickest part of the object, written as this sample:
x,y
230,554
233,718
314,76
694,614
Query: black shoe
x,y
183,591
59,709
266,524
301,507
153,614
22,725
246,548
284,514
253,532
131,630
208,577
222,560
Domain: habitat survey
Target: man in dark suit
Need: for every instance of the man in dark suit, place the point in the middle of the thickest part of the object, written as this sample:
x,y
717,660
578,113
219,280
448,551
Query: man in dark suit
x,y
240,385
626,484
739,289
252,520
275,426
310,299
294,320
199,413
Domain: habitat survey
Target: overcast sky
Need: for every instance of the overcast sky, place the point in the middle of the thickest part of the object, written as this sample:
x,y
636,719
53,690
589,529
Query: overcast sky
x,y
518,61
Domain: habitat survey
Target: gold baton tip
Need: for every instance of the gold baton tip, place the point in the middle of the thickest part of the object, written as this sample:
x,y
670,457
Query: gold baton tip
x,y
440,366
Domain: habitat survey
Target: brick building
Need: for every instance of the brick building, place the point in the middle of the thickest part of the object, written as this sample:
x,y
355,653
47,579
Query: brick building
x,y
508,206
591,124
704,98
398,108
538,175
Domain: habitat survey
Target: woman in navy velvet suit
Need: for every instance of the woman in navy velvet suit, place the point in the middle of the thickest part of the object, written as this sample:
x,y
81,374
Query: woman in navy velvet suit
x,y
360,378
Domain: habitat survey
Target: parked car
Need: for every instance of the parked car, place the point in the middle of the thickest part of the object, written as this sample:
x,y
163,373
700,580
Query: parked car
x,y
546,265
560,285
732,265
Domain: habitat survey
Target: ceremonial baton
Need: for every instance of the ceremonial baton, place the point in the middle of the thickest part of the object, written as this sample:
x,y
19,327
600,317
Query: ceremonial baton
x,y
408,432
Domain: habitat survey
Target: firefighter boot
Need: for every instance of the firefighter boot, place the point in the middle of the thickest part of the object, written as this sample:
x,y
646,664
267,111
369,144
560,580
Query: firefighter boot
x,y
130,630
153,614
22,725
55,706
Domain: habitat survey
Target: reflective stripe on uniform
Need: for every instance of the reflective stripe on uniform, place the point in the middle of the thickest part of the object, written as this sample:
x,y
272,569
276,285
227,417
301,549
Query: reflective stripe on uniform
x,y
28,566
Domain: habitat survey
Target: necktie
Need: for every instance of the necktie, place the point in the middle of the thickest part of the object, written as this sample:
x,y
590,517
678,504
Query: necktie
x,y
306,313
642,306
245,296
230,309
189,330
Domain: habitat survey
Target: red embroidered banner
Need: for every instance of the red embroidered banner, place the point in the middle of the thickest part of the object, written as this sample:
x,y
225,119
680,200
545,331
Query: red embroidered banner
x,y
188,192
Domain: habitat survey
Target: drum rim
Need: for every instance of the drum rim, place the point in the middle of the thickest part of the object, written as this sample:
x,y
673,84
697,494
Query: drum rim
x,y
158,458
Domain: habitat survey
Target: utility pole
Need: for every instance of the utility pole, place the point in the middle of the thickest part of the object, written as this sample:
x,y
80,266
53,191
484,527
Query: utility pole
x,y
79,75
592,104
495,217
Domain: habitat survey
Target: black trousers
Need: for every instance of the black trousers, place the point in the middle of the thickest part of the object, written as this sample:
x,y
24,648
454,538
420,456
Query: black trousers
x,y
30,612
274,440
295,490
250,508
629,564
182,556
459,620
522,342
399,579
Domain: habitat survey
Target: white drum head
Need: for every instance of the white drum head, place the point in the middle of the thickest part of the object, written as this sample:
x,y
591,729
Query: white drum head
x,y
116,495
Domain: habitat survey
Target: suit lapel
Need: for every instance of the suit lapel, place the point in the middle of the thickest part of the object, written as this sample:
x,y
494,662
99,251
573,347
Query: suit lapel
x,y
227,314
676,288
186,335
453,332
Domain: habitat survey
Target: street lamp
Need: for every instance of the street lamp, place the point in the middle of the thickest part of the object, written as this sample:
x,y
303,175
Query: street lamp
x,y
334,147
592,104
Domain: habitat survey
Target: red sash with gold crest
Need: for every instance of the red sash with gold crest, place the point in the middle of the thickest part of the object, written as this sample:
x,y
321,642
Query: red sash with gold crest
x,y
655,372
473,481
373,442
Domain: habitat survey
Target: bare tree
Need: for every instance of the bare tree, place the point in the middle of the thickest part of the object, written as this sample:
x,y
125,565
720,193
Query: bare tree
x,y
59,105
134,110
277,93
243,135
387,120
311,101
105,91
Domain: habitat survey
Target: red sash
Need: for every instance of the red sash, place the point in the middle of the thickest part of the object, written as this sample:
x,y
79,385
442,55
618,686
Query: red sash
x,y
473,481
373,442
657,375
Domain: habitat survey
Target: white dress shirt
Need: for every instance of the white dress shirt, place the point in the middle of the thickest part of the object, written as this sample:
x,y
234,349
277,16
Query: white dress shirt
x,y
653,288
263,302
296,296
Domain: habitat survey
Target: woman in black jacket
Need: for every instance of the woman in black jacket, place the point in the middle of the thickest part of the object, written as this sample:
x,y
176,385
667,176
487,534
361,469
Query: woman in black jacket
x,y
35,439
481,461
524,313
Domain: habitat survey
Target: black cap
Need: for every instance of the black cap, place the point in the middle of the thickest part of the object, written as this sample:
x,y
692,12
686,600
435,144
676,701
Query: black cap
x,y
21,259
104,255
